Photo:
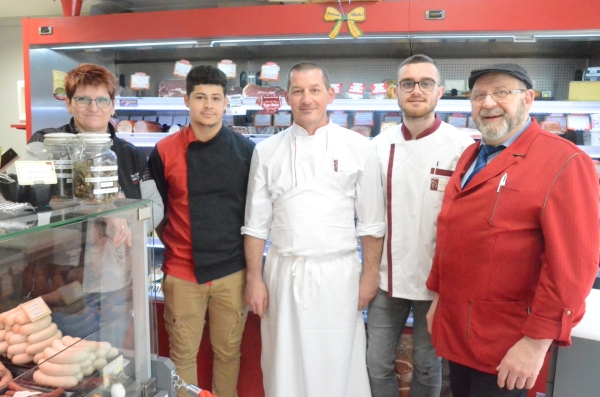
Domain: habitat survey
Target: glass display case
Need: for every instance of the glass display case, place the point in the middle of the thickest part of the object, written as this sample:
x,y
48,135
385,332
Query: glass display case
x,y
74,310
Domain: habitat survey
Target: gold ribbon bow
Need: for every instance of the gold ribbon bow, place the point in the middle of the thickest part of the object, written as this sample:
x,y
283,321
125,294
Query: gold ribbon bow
x,y
359,14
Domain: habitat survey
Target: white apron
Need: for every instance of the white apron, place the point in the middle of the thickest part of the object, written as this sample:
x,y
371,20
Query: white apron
x,y
313,335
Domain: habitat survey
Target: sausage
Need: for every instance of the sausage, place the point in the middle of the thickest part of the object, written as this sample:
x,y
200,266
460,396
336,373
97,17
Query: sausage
x,y
58,345
37,325
59,369
112,353
17,349
2,325
36,348
10,318
57,381
3,347
68,340
17,338
22,358
43,334
99,363
22,319
101,353
92,346
6,313
2,335
104,345
147,126
87,371
15,328
38,357
125,126
70,356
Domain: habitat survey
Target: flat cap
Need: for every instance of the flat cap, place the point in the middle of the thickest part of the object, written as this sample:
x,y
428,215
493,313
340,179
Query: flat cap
x,y
508,68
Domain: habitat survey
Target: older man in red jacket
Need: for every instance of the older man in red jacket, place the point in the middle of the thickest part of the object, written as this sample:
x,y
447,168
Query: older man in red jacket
x,y
517,243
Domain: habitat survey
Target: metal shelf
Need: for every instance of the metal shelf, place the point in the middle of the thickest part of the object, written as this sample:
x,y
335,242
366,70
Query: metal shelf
x,y
390,105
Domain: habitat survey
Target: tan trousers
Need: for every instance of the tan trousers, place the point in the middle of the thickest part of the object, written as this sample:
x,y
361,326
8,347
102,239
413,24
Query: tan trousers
x,y
185,307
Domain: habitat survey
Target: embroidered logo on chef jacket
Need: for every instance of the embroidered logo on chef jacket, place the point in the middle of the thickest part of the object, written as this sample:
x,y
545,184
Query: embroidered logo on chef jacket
x,y
439,179
135,178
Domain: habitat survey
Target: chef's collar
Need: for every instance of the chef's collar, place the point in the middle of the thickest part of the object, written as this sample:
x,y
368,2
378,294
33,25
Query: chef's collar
x,y
301,131
408,136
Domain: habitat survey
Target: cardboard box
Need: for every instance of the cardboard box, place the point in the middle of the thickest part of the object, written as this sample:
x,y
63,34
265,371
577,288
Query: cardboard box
x,y
584,91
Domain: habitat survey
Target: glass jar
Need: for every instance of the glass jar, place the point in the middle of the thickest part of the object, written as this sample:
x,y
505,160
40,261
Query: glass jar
x,y
56,145
95,169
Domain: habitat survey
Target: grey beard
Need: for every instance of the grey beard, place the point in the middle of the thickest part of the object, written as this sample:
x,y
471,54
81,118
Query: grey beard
x,y
493,133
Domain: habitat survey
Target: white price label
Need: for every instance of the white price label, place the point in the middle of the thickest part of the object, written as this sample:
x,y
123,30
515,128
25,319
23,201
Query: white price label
x,y
35,172
363,118
140,82
106,191
71,292
229,69
339,118
236,111
180,120
100,168
282,119
35,309
262,120
269,72
182,68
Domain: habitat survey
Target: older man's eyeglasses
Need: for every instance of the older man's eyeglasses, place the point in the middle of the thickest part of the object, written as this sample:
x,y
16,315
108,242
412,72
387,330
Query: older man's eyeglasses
x,y
426,85
84,102
497,96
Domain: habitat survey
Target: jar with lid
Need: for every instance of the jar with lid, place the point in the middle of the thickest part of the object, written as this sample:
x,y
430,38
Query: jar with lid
x,y
95,169
55,144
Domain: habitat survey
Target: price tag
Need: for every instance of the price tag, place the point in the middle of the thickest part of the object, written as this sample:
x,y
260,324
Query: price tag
x,y
140,81
168,120
35,172
387,125
35,309
234,101
228,67
458,121
236,111
339,118
578,122
179,120
6,285
262,120
337,88
357,88
71,292
114,367
393,119
269,71
282,119
379,88
182,68
363,118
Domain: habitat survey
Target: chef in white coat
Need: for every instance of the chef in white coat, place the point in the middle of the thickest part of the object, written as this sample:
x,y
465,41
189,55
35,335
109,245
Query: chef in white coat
x,y
306,185
417,159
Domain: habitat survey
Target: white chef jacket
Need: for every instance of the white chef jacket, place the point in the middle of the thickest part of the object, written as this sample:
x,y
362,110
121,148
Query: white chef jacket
x,y
292,157
414,180
306,189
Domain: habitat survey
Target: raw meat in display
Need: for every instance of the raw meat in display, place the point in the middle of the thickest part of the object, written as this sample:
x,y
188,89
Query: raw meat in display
x,y
171,88
255,91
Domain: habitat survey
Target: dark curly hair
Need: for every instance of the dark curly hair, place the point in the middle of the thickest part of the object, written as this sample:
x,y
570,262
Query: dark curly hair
x,y
205,75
